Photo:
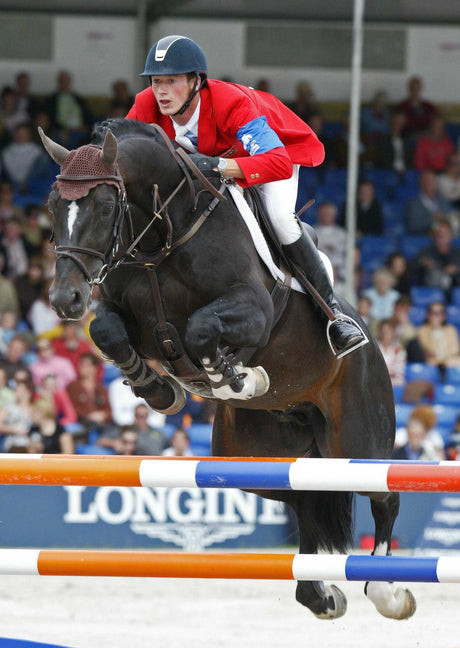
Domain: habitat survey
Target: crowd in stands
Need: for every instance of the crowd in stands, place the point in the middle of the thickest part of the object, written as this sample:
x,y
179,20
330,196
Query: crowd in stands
x,y
58,395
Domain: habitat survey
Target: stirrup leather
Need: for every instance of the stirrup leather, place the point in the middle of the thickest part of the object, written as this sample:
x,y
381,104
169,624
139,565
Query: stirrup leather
x,y
345,318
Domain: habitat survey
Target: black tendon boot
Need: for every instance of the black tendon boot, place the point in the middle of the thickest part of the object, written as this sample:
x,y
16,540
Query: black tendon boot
x,y
344,333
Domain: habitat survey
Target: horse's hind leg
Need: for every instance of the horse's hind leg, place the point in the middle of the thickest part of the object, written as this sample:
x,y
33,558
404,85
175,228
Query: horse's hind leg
x,y
391,601
161,392
325,601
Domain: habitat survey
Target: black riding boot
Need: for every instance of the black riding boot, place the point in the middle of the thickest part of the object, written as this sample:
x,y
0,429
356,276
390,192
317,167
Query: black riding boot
x,y
345,335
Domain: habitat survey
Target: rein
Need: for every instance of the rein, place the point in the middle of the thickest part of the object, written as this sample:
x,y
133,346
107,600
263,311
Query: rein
x,y
132,256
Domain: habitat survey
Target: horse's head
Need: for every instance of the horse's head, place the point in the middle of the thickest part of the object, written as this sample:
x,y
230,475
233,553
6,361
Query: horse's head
x,y
87,204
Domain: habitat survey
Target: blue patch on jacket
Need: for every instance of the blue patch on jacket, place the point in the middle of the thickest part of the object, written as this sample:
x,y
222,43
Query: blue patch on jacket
x,y
257,136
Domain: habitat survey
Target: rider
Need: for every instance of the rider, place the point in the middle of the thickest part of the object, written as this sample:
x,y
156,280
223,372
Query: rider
x,y
248,135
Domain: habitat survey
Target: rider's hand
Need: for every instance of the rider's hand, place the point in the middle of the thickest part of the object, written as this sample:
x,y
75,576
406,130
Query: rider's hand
x,y
206,164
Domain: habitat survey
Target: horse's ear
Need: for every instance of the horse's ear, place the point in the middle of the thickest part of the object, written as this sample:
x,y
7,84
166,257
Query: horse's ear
x,y
57,152
109,149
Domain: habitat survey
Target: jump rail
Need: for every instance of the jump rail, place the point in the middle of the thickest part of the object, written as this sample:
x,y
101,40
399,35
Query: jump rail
x,y
360,475
229,566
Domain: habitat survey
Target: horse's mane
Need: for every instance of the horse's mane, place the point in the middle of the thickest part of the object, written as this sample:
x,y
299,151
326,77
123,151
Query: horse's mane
x,y
123,128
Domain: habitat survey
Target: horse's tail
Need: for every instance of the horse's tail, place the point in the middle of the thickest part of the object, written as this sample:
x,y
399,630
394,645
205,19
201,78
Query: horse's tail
x,y
326,519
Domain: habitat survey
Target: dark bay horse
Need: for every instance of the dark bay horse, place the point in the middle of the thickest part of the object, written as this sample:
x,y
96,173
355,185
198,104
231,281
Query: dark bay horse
x,y
180,279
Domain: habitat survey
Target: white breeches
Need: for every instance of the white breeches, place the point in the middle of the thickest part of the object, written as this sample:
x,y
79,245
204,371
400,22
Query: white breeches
x,y
279,199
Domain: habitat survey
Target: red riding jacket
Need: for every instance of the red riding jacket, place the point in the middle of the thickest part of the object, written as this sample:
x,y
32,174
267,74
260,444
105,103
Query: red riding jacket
x,y
229,113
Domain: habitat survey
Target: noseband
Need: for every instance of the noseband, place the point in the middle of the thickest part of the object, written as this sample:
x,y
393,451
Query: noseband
x,y
160,211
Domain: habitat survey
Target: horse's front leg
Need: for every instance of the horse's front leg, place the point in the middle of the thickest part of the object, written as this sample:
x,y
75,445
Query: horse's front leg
x,y
162,393
391,601
242,317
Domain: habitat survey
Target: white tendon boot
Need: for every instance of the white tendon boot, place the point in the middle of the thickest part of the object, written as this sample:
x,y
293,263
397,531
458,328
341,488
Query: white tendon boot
x,y
235,381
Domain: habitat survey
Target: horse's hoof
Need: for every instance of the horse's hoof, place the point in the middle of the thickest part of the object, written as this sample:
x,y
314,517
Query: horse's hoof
x,y
392,602
179,398
339,603
256,383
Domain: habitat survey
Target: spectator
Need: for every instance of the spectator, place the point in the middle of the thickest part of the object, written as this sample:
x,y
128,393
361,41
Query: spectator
x,y
316,123
69,112
8,328
49,363
419,440
11,115
16,249
180,445
26,102
369,218
453,443
382,294
426,209
8,293
397,265
438,265
29,287
127,442
305,103
7,207
393,151
263,85
332,239
72,344
364,310
42,318
449,182
123,402
16,418
121,96
438,339
393,352
91,401
150,441
375,119
32,228
7,395
59,400
17,356
434,148
46,434
23,159
418,111
406,332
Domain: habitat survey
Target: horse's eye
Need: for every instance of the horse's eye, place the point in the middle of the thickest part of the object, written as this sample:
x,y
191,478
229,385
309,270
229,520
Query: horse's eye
x,y
107,208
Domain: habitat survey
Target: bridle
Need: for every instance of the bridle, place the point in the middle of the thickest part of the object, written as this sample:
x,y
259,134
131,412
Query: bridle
x,y
132,255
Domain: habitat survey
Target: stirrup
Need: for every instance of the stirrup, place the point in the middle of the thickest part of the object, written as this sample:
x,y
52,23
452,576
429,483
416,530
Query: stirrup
x,y
345,318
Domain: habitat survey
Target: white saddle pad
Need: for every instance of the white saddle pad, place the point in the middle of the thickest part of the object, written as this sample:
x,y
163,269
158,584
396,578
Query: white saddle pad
x,y
261,244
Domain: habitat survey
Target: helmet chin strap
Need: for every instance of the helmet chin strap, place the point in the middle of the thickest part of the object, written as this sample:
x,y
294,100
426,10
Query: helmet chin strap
x,y
196,88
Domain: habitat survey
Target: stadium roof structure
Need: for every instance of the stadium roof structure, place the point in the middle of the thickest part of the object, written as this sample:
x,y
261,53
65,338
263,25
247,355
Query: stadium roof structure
x,y
408,11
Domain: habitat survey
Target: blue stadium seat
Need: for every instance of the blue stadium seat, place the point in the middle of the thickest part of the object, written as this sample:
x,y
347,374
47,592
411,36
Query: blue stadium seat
x,y
398,392
453,315
375,250
452,376
201,449
411,244
447,395
422,371
446,415
455,296
426,295
109,373
200,433
385,181
336,177
417,315
168,430
403,411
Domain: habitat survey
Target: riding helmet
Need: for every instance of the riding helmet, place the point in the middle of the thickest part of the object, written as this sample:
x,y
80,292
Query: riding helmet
x,y
175,55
